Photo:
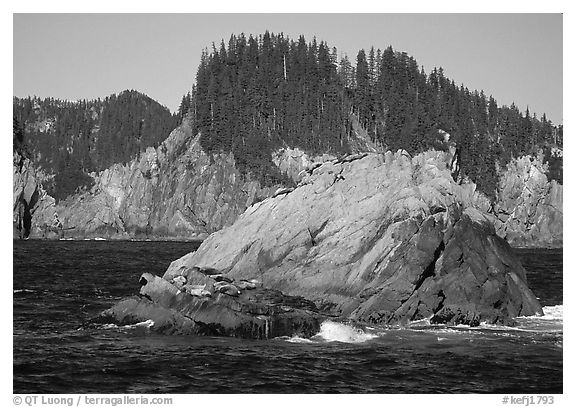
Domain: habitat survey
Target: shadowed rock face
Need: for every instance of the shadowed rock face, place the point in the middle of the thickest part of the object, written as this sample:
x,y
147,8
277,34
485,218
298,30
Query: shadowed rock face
x,y
33,209
379,239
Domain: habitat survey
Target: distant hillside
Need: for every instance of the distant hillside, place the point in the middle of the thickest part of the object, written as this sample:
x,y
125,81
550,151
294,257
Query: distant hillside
x,y
258,94
70,139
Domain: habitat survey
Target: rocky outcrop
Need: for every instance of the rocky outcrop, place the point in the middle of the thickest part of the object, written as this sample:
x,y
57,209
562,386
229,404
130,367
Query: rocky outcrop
x,y
371,238
244,311
379,239
529,207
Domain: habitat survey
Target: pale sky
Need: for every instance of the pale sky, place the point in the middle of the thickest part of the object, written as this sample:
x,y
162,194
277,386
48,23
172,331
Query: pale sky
x,y
514,57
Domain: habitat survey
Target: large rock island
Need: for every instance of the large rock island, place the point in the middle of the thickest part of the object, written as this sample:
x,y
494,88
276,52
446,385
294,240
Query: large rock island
x,y
371,238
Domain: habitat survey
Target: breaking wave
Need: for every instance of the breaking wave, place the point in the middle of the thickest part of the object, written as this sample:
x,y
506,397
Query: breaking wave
x,y
551,313
331,331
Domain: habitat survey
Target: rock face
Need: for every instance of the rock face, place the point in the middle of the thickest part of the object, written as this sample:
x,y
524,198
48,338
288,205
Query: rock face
x,y
175,191
529,207
378,239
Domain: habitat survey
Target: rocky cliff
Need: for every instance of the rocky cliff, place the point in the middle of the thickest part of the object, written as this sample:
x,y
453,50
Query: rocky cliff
x,y
174,191
378,239
529,207
177,191
33,209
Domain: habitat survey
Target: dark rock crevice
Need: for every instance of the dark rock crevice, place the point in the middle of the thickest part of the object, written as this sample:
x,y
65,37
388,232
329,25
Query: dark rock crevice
x,y
24,218
430,270
442,297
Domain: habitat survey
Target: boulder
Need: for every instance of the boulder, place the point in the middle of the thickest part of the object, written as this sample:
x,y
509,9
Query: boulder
x,y
381,239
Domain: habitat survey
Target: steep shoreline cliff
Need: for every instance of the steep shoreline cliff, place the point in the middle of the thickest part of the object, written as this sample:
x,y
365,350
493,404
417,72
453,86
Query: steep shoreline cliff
x,y
33,209
175,191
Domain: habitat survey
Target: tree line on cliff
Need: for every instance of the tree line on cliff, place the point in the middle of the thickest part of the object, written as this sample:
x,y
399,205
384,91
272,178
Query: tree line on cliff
x,y
257,94
70,139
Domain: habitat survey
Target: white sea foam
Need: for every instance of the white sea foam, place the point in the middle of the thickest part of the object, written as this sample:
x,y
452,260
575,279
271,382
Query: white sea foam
x,y
419,322
24,290
145,324
297,339
553,312
331,331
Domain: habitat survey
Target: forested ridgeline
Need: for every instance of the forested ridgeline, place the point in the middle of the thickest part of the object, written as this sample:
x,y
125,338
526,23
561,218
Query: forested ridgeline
x,y
257,94
70,139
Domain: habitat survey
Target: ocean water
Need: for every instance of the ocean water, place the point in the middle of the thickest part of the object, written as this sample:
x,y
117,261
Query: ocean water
x,y
59,285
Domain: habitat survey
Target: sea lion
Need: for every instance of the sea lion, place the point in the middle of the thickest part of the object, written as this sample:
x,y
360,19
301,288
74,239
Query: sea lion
x,y
256,283
228,289
221,277
197,291
219,284
208,271
179,282
194,269
245,285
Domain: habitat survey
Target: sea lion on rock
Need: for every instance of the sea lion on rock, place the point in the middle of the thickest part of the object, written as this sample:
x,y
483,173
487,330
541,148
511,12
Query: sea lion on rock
x,y
245,285
209,271
221,277
197,291
194,269
228,289
257,283
179,281
219,284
